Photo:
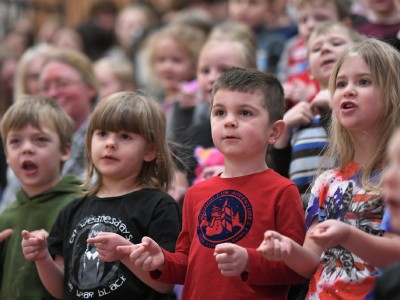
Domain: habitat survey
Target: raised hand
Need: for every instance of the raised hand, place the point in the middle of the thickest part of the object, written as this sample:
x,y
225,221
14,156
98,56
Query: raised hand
x,y
232,259
147,255
275,246
106,244
34,245
5,234
330,233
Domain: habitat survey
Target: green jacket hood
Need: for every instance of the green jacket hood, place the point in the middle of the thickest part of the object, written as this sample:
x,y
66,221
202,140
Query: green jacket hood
x,y
67,185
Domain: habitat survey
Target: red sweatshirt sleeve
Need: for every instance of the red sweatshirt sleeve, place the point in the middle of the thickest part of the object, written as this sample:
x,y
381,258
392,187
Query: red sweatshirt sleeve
x,y
289,220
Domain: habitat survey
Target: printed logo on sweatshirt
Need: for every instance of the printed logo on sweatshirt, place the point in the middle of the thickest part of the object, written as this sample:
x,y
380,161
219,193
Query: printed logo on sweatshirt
x,y
225,218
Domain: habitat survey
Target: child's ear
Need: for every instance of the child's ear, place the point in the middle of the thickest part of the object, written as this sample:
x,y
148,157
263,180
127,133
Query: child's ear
x,y
150,154
66,153
278,127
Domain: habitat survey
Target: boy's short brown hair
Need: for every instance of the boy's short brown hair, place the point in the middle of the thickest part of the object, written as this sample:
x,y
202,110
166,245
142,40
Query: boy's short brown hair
x,y
253,81
34,110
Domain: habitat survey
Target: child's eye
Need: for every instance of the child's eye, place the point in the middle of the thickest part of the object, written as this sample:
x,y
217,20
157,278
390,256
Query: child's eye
x,y
41,139
101,133
177,60
219,113
365,82
223,69
246,113
125,136
315,49
14,141
340,84
205,71
338,43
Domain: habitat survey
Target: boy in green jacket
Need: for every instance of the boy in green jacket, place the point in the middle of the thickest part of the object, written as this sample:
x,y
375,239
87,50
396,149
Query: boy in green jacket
x,y
37,136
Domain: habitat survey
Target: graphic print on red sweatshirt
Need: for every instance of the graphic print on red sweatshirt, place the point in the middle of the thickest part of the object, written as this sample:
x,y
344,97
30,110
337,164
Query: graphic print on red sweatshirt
x,y
225,218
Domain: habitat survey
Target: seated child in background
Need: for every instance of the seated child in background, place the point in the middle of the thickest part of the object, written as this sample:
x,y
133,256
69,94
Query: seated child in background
x,y
293,65
114,75
224,217
298,154
37,136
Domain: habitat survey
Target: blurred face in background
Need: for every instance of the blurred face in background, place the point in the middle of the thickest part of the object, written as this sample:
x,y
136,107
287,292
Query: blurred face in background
x,y
313,14
215,58
324,50
65,85
250,12
172,64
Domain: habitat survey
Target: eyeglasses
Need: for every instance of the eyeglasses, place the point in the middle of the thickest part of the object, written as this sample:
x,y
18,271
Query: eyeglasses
x,y
59,84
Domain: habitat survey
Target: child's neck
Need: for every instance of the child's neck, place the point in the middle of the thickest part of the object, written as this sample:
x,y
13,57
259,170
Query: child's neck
x,y
114,189
171,97
364,145
240,168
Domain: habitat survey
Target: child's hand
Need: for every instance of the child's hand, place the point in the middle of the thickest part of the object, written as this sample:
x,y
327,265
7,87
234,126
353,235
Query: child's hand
x,y
298,115
298,91
321,103
106,244
188,96
275,246
232,259
330,233
34,245
5,234
147,255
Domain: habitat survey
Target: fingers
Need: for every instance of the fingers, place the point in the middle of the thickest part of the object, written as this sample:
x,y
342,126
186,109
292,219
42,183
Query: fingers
x,y
224,248
97,240
272,246
26,235
101,238
146,241
126,250
32,245
5,234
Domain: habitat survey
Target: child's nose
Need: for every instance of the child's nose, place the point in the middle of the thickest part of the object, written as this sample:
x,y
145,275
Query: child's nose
x,y
349,90
230,121
110,143
27,147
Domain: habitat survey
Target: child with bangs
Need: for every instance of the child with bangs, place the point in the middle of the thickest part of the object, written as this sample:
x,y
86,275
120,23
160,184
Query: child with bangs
x,y
127,150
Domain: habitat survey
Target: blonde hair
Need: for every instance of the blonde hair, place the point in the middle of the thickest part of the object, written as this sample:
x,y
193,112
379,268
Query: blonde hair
x,y
21,74
138,113
188,37
327,26
239,34
36,110
384,64
121,68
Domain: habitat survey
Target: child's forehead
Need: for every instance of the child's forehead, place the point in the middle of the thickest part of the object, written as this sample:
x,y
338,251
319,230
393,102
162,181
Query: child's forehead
x,y
332,32
223,97
43,126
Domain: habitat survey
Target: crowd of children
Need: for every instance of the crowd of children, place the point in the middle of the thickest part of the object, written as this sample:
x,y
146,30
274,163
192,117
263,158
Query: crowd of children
x,y
241,149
